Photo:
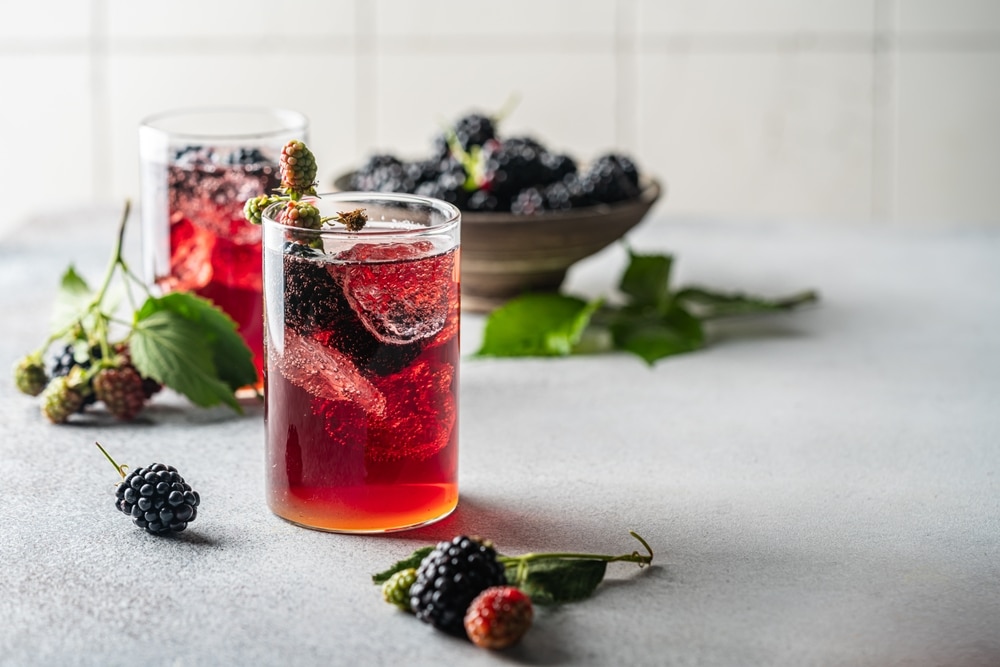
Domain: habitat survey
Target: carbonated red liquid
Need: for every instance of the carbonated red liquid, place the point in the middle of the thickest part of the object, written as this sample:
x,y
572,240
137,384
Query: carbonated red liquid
x,y
361,385
214,252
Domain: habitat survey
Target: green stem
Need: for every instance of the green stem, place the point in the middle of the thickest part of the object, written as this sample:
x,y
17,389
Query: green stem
x,y
116,258
634,557
120,469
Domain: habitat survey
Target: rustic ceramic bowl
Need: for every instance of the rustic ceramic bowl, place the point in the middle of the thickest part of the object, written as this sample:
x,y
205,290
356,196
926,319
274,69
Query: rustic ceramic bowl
x,y
504,255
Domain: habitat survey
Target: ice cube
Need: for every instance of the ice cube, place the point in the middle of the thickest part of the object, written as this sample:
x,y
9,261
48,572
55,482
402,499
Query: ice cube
x,y
326,373
190,257
402,297
315,304
419,421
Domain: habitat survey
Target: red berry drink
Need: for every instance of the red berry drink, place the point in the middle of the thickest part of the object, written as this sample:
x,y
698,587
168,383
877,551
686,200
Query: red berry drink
x,y
361,380
214,253
198,168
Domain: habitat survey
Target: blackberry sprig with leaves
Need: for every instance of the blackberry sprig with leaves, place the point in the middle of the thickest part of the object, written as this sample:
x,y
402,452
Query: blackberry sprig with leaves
x,y
121,359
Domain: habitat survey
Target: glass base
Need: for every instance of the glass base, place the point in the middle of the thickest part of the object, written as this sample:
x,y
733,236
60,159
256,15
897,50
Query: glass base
x,y
333,513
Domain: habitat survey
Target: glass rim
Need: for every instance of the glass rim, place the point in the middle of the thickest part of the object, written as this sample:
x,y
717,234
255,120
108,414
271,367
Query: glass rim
x,y
293,121
454,215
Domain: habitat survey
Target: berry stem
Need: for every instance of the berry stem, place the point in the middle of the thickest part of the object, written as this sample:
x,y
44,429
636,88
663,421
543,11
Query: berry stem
x,y
120,469
634,557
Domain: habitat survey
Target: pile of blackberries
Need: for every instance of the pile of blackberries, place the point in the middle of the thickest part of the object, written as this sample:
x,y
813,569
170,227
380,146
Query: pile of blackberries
x,y
475,169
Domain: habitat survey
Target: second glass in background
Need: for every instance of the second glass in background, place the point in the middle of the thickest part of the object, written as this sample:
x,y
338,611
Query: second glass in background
x,y
199,166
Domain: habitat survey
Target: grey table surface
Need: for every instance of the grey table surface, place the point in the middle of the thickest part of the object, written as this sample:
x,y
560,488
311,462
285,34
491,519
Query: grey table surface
x,y
820,488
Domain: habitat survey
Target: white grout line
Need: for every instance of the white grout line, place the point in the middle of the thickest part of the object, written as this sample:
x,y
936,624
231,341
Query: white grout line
x,y
626,77
100,103
366,77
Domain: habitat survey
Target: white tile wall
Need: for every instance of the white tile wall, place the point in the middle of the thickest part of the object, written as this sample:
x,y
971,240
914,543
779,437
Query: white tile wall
x,y
865,110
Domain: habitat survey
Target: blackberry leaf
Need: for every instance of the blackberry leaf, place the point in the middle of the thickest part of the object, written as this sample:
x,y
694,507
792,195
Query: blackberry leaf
x,y
230,355
537,325
71,301
170,349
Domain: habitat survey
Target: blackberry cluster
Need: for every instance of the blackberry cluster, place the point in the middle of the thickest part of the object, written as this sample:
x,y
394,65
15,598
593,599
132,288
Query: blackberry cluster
x,y
158,499
476,169
123,390
450,578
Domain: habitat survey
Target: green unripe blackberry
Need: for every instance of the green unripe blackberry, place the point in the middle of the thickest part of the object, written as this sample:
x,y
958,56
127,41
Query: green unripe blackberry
x,y
298,169
30,376
396,591
253,210
60,399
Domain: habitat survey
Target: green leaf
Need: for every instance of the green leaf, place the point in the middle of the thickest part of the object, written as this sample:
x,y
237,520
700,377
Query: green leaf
x,y
646,280
71,301
557,581
711,304
537,325
413,560
171,349
653,335
232,358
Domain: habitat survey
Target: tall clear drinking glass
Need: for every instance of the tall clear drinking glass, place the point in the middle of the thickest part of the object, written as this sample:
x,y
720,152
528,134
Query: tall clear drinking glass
x,y
361,379
198,167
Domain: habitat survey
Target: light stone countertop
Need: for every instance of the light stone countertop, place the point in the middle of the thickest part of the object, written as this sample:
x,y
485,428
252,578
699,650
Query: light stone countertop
x,y
820,488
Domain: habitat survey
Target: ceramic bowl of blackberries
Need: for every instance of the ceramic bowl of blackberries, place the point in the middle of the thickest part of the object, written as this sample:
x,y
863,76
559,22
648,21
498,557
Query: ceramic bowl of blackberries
x,y
528,211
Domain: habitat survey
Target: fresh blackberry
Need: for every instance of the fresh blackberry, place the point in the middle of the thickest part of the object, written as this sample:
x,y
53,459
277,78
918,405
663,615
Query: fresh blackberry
x,y
509,168
559,197
558,166
623,161
611,179
449,184
473,129
72,357
528,202
487,202
246,156
383,173
315,303
525,142
450,578
444,190
194,155
157,498
423,171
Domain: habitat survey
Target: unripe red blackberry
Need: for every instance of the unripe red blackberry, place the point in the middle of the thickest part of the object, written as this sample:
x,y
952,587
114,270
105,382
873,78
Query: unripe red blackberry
x,y
498,617
30,376
60,399
301,214
121,390
298,169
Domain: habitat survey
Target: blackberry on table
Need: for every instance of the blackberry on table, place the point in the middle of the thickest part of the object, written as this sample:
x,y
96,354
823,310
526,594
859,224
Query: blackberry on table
x,y
158,499
450,578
